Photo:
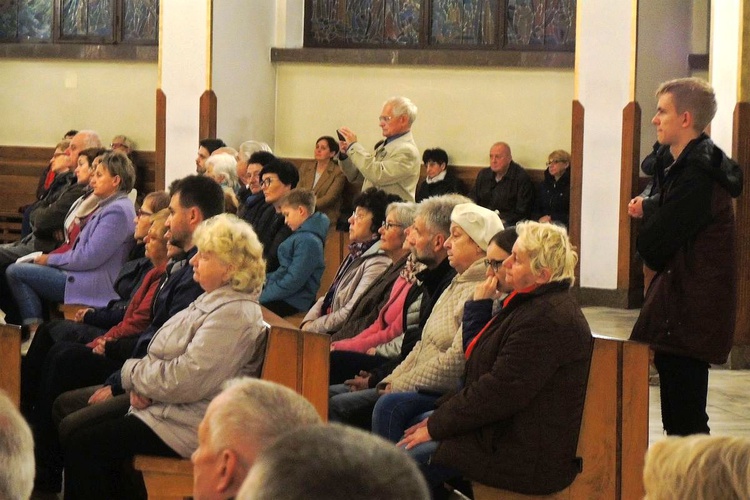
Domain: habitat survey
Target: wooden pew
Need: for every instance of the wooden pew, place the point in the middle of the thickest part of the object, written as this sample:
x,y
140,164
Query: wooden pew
x,y
10,362
296,359
614,429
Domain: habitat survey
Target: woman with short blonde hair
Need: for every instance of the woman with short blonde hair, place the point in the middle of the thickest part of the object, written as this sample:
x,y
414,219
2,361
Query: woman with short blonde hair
x,y
217,337
524,381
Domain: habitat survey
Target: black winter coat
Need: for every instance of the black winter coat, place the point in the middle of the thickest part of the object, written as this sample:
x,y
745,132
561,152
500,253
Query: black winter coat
x,y
689,240
515,423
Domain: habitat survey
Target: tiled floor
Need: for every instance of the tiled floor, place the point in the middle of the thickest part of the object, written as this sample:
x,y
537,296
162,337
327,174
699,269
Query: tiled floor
x,y
728,393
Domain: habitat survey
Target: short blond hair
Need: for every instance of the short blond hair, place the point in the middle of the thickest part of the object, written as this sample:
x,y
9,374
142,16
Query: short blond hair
x,y
693,95
549,248
234,242
698,467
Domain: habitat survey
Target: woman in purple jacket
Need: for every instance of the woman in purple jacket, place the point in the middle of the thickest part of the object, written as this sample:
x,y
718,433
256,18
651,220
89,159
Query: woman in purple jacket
x,y
85,274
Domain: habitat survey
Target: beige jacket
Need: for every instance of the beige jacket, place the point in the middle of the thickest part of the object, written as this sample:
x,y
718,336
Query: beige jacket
x,y
393,167
219,336
356,280
437,360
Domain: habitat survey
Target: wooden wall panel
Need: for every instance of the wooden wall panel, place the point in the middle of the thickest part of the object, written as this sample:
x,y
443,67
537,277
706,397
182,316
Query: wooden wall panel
x,y
576,179
741,154
207,116
629,272
160,156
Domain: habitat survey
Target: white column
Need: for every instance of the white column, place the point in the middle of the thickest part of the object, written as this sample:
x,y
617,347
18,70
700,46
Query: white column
x,y
724,67
184,74
244,79
604,85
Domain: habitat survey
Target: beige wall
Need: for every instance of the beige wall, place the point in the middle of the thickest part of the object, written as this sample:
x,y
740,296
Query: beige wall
x,y
42,99
463,111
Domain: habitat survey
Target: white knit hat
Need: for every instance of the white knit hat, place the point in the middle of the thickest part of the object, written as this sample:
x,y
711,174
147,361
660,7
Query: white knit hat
x,y
480,223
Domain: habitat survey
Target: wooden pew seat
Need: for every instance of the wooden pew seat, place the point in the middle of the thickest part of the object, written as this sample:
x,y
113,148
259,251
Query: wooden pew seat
x,y
296,359
614,428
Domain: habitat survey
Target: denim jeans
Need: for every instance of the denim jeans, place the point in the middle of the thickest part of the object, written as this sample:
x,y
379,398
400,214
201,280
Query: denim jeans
x,y
352,408
396,412
30,283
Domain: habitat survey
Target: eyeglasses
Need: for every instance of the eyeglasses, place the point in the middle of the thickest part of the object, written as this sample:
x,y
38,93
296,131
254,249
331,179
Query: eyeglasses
x,y
388,225
266,182
551,162
142,213
116,145
494,264
385,119
357,216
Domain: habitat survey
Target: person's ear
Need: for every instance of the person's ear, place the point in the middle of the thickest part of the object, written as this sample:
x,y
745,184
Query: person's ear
x,y
543,276
438,242
227,470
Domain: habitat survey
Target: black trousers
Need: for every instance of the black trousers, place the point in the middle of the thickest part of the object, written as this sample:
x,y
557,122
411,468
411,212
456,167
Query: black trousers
x,y
684,389
99,459
346,364
67,366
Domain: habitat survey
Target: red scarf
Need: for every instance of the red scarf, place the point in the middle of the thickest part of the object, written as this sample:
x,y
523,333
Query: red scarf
x,y
506,301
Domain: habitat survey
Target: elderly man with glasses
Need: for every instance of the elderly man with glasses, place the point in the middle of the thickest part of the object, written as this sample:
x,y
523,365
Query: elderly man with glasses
x,y
394,166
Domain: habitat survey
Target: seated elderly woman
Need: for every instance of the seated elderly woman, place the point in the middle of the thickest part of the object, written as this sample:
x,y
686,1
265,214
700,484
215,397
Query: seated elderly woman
x,y
364,264
84,274
218,337
515,423
381,340
553,198
438,177
698,467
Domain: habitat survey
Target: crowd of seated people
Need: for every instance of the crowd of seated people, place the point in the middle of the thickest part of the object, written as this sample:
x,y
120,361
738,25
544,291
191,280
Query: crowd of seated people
x,y
394,309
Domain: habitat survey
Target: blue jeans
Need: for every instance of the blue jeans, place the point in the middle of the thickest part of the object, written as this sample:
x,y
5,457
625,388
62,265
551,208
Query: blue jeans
x,y
352,408
30,283
396,412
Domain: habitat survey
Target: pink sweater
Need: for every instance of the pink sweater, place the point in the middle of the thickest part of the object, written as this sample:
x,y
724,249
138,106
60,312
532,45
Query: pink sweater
x,y
386,327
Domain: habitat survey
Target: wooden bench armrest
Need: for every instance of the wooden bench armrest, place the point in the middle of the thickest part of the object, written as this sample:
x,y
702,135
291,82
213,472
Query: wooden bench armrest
x,y
69,310
10,362
164,465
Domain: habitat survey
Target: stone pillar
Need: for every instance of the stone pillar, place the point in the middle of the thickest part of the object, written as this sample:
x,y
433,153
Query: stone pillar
x,y
729,67
215,78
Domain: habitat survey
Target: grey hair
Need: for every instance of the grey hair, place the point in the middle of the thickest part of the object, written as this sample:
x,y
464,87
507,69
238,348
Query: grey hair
x,y
255,413
91,139
125,140
336,463
118,163
247,148
436,212
404,212
225,166
16,453
403,106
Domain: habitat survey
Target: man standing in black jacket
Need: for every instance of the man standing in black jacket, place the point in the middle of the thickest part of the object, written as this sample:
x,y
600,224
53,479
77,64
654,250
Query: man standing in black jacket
x,y
689,312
